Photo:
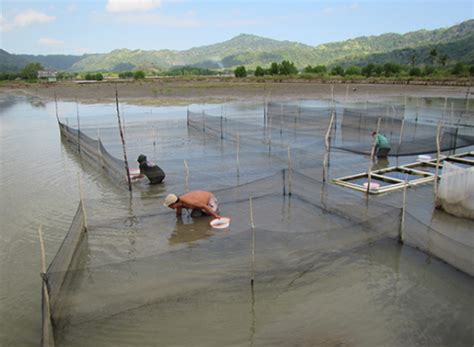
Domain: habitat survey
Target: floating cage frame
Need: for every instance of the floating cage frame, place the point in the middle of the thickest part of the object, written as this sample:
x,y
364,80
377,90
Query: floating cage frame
x,y
389,183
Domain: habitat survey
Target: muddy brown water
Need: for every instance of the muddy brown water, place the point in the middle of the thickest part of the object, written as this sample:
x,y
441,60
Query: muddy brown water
x,y
378,293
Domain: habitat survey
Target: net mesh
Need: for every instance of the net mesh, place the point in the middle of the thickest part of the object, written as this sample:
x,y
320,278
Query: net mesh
x,y
144,268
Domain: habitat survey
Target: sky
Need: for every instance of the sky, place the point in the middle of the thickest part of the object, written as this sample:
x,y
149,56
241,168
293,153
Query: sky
x,y
100,26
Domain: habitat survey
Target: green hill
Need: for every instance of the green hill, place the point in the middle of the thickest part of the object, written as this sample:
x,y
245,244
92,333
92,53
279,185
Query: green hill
x,y
456,42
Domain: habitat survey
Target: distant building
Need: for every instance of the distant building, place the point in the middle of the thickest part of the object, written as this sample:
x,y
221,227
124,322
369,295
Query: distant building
x,y
47,75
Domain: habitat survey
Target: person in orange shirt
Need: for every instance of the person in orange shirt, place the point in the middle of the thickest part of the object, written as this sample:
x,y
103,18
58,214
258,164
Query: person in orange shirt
x,y
200,202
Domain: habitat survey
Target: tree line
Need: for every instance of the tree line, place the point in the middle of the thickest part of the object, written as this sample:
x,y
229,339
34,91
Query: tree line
x,y
370,70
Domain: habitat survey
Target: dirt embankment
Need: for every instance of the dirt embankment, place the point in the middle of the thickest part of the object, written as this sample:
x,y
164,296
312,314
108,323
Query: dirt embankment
x,y
183,92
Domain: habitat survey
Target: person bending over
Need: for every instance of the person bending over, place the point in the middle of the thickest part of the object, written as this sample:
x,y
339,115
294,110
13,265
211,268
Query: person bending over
x,y
382,146
153,172
200,202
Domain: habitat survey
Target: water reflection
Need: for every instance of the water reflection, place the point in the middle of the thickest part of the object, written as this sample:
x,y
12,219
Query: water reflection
x,y
189,230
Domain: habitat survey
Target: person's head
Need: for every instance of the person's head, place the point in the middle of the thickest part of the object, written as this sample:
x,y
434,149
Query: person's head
x,y
171,201
141,158
374,133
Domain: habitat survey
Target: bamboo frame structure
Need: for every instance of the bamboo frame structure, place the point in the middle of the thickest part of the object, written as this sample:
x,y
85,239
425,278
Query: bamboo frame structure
x,y
395,183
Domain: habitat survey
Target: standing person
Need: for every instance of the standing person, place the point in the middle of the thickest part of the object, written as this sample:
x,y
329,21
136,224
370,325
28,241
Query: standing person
x,y
382,146
153,172
200,202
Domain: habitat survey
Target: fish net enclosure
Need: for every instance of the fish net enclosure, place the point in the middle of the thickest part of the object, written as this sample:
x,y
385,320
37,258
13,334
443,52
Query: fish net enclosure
x,y
456,190
140,276
406,137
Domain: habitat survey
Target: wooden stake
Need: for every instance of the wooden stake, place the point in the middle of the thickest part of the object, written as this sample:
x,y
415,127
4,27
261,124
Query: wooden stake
x,y
347,92
123,141
187,116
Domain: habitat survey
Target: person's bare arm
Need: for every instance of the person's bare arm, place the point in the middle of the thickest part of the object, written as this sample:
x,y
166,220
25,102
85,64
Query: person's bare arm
x,y
178,211
208,210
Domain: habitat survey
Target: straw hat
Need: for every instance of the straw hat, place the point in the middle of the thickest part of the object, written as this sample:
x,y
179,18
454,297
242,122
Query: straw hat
x,y
170,199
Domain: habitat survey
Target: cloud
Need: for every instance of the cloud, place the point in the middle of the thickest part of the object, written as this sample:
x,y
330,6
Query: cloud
x,y
116,6
81,50
187,20
46,41
30,17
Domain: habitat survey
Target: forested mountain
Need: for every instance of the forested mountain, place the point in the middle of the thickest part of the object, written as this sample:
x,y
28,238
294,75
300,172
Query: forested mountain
x,y
455,42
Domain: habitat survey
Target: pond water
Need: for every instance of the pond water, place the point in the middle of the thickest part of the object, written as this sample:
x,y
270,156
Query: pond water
x,y
376,294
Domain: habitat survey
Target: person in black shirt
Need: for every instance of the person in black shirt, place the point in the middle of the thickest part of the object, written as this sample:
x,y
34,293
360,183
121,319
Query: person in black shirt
x,y
153,172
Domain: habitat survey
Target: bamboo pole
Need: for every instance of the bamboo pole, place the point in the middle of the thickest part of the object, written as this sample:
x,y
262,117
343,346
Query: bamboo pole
x,y
123,141
281,119
372,153
238,154
203,121
438,149
270,136
328,134
252,226
284,181
402,128
289,170
401,236
187,117
186,176
222,131
81,199
417,107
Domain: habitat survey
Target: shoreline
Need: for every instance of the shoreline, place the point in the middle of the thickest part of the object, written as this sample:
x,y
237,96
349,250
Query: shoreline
x,y
182,92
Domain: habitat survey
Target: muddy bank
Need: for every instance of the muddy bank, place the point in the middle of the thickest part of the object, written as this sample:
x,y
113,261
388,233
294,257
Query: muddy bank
x,y
183,92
